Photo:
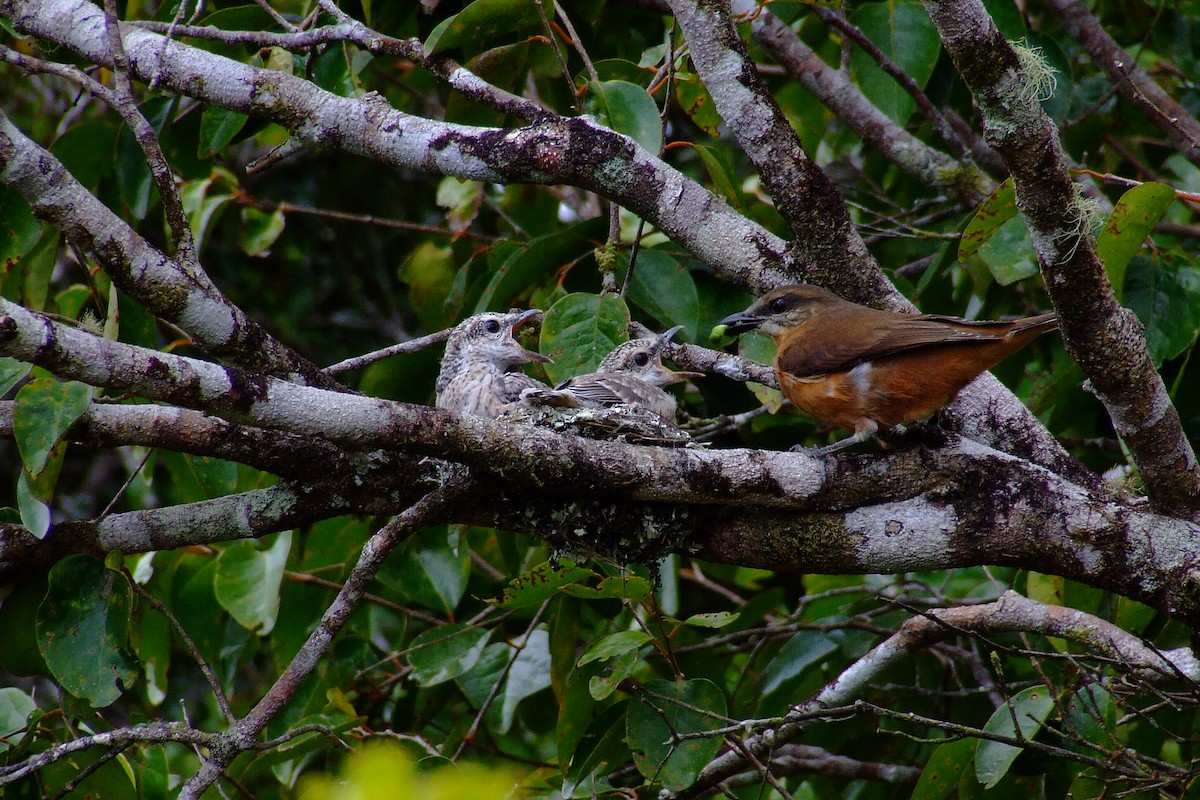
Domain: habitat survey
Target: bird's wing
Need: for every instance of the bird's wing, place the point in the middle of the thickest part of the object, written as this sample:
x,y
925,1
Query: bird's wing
x,y
600,390
516,382
832,349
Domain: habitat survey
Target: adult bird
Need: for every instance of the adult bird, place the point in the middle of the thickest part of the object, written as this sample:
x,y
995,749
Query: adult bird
x,y
480,371
632,375
864,369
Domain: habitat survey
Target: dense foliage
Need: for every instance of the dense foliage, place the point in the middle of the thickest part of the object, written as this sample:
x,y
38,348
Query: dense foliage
x,y
186,596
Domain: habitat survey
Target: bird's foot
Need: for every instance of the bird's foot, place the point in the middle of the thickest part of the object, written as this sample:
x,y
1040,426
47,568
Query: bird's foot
x,y
828,449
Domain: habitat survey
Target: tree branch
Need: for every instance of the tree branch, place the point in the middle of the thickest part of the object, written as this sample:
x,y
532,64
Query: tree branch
x,y
1106,340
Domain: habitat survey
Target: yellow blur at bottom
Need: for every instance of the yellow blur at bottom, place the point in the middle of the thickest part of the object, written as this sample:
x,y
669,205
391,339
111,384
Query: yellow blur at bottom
x,y
384,771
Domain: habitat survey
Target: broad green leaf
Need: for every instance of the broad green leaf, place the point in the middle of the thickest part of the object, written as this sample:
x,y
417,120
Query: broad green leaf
x,y
46,408
15,708
12,372
580,330
218,126
665,709
1092,716
1031,708
200,477
481,22
543,257
998,209
1166,298
602,746
614,644
430,572
529,674
715,619
757,347
1008,254
19,229
87,151
697,103
1131,220
665,290
443,653
616,670
429,271
260,229
248,579
802,651
944,769
133,175
461,199
627,108
623,587
35,514
535,586
83,630
904,32
18,619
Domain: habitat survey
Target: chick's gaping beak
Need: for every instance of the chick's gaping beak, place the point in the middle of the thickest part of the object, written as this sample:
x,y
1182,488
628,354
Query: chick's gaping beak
x,y
522,318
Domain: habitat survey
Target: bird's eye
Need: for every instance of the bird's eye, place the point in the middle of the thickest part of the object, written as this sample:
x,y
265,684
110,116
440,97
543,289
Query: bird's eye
x,y
492,326
779,305
641,359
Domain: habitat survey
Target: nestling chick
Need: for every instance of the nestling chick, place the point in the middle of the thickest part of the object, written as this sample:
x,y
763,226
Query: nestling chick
x,y
632,374
480,372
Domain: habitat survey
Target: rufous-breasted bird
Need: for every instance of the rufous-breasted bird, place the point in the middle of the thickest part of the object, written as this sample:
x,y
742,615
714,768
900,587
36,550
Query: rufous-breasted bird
x,y
632,374
480,372
860,368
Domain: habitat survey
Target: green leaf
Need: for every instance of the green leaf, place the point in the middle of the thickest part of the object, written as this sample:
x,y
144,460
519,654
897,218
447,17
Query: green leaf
x,y
529,674
665,290
430,572
19,229
544,256
15,708
721,181
200,477
1008,254
664,710
45,409
535,586
443,653
203,205
1092,716
614,644
627,108
88,151
482,22
904,32
35,514
83,630
802,651
622,587
260,229
248,579
12,372
1031,708
218,126
944,769
1131,220
1166,298
580,330
998,209
617,669
714,620
693,97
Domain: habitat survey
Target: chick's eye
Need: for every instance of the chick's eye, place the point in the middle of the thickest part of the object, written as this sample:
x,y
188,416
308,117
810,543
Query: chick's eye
x,y
492,326
641,359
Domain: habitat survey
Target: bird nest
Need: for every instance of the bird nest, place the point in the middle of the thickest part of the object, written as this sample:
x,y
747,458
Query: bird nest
x,y
621,423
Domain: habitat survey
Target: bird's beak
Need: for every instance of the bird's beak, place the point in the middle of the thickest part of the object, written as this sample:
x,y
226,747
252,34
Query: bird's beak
x,y
735,324
522,318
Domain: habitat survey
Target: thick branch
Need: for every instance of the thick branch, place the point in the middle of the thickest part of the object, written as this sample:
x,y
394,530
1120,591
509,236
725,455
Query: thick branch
x,y
963,504
1106,340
